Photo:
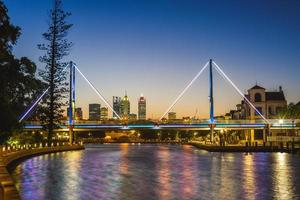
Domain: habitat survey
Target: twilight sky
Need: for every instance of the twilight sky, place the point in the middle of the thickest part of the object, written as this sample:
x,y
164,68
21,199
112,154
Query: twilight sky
x,y
156,47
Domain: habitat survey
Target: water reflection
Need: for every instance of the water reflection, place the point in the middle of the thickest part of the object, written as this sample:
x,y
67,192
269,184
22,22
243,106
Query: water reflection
x,y
282,177
164,183
249,178
189,180
126,171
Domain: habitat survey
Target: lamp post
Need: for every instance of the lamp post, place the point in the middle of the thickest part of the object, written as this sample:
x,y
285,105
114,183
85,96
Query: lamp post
x,y
293,124
280,122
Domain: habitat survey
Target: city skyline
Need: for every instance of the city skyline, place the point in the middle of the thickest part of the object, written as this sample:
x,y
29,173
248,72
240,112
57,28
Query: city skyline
x,y
159,63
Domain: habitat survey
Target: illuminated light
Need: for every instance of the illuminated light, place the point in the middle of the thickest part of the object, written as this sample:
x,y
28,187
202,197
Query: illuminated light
x,y
38,100
280,121
156,127
97,92
33,105
161,126
140,126
33,127
221,72
185,89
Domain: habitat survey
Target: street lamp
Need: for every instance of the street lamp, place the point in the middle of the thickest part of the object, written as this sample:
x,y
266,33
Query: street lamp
x,y
280,122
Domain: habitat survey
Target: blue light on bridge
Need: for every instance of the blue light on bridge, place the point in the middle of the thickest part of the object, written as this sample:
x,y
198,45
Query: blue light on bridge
x,y
33,127
167,126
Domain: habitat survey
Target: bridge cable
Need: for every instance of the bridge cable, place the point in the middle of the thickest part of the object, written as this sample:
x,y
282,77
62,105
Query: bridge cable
x,y
97,92
38,99
185,89
224,76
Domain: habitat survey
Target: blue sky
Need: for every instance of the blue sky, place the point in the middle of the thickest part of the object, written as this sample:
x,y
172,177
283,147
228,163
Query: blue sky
x,y
156,47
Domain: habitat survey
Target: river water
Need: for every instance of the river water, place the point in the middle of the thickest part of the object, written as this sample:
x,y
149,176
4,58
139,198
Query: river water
x,y
158,172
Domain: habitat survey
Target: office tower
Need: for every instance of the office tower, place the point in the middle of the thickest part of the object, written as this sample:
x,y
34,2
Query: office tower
x,y
125,107
142,108
78,113
116,106
104,113
94,111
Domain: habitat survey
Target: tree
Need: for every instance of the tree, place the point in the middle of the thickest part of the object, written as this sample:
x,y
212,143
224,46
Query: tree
x,y
291,111
56,48
186,135
149,134
18,84
168,134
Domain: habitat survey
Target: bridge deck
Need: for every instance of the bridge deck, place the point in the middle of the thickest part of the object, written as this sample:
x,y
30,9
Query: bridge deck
x,y
185,126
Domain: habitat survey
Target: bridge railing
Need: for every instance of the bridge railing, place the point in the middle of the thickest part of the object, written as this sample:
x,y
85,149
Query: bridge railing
x,y
201,121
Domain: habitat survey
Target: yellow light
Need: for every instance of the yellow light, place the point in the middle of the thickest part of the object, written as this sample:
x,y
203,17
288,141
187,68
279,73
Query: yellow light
x,y
280,121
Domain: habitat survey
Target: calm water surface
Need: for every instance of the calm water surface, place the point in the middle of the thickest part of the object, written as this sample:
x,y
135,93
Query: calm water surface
x,y
130,172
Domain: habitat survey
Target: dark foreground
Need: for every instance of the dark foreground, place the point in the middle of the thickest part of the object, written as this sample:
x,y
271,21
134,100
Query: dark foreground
x,y
158,171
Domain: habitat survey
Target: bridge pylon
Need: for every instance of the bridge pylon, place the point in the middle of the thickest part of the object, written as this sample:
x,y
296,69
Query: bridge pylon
x,y
71,102
211,101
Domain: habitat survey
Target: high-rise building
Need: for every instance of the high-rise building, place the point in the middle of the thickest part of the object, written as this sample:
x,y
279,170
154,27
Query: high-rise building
x,y
142,108
104,113
172,115
78,113
116,106
125,107
94,111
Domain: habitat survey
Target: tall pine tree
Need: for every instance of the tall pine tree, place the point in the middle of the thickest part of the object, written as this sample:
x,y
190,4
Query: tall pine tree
x,y
56,48
18,84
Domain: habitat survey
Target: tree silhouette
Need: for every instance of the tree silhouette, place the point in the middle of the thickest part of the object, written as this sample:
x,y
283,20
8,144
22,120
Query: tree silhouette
x,y
55,48
18,85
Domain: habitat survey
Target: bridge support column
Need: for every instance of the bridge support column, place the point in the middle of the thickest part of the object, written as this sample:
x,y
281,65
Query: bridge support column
x,y
252,135
212,136
211,101
71,103
266,132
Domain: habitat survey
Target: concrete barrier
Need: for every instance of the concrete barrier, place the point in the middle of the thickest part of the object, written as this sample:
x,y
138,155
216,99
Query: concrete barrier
x,y
9,155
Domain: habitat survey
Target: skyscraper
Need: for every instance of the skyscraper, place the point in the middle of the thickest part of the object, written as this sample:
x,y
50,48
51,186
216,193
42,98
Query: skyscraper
x,y
116,106
142,108
94,111
104,113
78,113
125,107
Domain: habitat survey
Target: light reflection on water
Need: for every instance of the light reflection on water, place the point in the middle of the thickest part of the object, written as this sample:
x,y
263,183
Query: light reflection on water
x,y
126,171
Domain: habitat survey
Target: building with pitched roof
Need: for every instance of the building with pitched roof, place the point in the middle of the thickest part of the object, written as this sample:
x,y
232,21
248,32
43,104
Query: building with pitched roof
x,y
268,103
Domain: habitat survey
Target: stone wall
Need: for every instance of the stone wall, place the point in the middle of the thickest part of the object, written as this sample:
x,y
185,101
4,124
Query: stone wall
x,y
8,190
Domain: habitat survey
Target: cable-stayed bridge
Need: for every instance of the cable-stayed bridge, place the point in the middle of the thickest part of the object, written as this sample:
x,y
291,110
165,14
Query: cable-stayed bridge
x,y
210,124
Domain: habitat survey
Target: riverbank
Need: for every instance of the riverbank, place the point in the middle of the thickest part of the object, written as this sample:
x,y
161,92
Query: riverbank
x,y
268,147
239,148
8,190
